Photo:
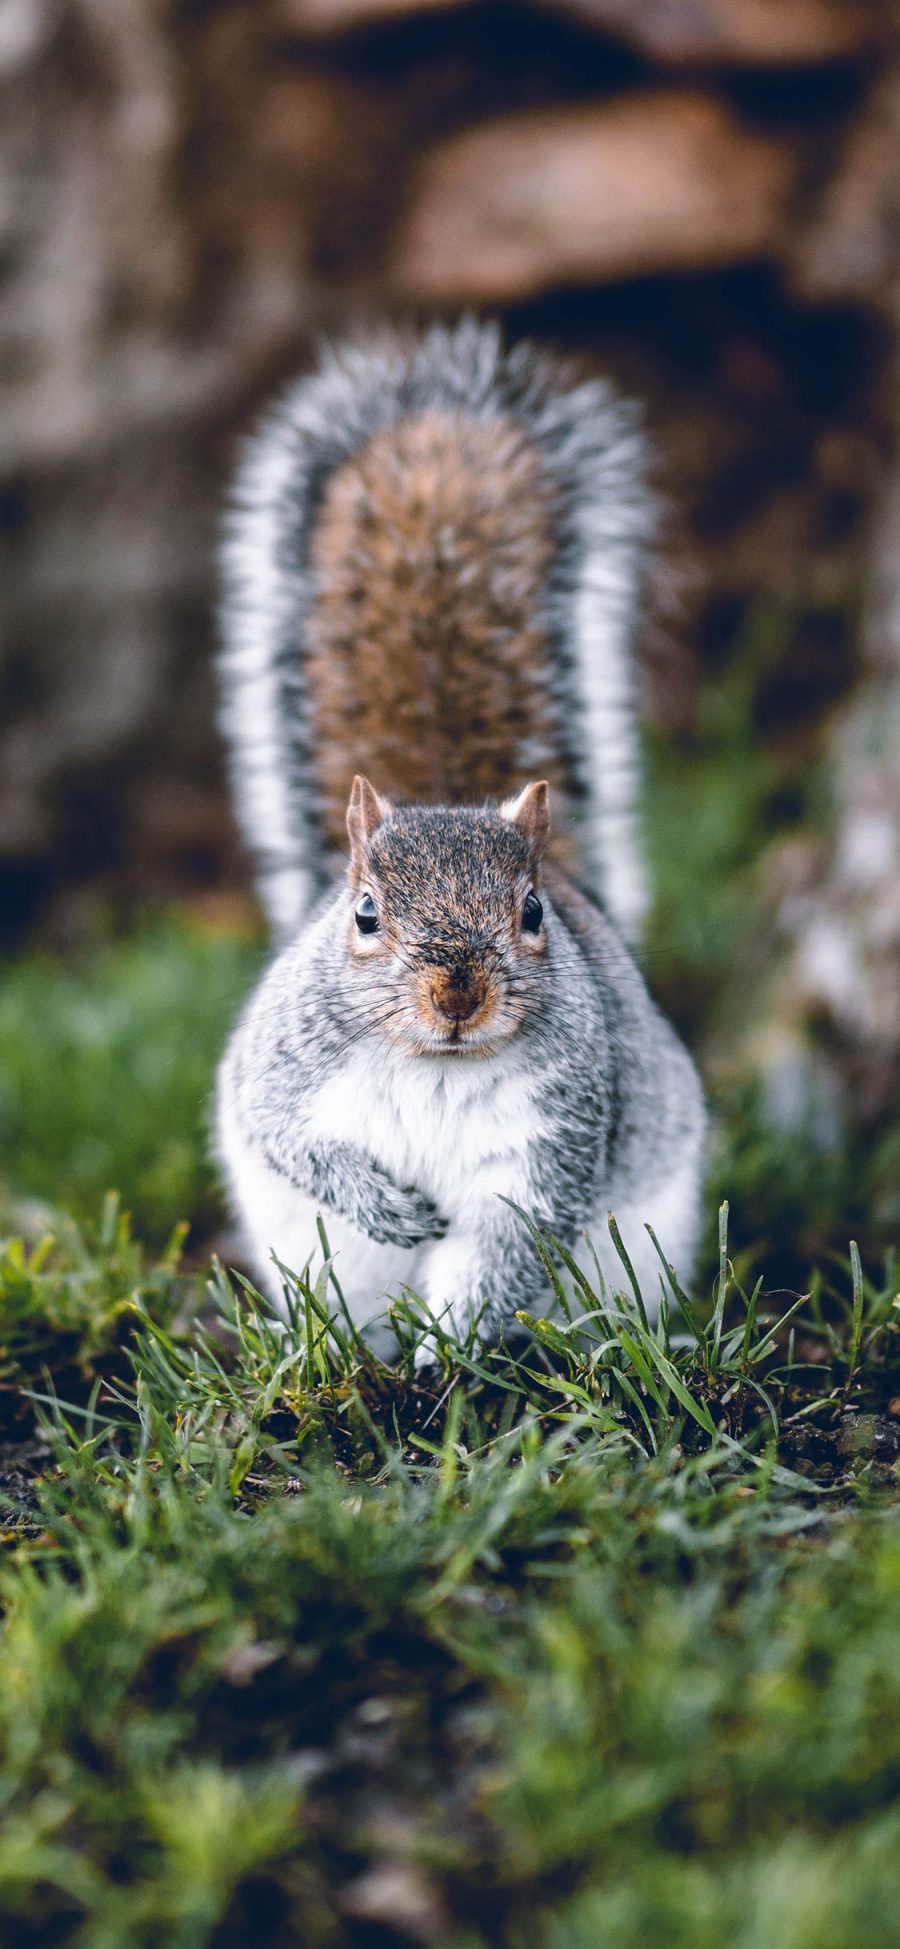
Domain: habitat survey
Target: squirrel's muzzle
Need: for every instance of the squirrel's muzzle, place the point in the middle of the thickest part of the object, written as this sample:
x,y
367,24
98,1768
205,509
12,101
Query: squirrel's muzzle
x,y
457,994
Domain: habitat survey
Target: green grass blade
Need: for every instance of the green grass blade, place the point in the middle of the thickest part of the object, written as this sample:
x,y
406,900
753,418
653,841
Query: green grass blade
x,y
858,1313
617,1240
721,1285
688,1310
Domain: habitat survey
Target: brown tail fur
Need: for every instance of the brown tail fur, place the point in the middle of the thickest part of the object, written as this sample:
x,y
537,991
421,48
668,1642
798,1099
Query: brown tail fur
x,y
425,658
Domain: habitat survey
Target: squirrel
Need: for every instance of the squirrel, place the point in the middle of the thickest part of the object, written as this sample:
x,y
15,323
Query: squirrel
x,y
432,570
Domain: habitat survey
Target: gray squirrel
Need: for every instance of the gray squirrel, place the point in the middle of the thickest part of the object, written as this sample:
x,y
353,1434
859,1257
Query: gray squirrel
x,y
431,577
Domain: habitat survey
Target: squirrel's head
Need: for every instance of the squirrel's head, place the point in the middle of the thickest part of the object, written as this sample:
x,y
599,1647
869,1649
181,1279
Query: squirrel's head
x,y
445,923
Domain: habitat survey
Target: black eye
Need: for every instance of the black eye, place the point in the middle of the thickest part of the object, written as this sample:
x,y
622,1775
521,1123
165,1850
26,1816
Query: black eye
x,y
532,914
366,914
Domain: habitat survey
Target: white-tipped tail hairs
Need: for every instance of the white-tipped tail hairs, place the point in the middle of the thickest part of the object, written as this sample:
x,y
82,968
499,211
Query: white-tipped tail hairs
x,y
591,451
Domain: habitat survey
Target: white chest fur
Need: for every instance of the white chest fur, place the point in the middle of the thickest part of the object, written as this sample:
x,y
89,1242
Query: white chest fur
x,y
455,1127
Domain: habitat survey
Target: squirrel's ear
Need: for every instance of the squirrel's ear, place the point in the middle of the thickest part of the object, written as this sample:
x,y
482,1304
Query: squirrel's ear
x,y
364,814
530,811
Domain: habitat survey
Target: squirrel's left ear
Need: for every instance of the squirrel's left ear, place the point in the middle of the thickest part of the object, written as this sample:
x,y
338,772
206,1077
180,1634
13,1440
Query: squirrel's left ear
x,y
364,814
530,811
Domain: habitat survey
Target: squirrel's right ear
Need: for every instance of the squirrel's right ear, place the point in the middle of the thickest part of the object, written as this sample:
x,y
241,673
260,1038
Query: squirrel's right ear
x,y
530,811
364,814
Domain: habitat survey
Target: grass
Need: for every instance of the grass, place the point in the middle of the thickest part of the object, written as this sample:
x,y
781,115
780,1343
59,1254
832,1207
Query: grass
x,y
587,1644
71,1299
106,1072
556,1649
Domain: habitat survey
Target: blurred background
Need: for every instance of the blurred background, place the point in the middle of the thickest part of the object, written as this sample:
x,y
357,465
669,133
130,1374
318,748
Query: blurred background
x,y
701,197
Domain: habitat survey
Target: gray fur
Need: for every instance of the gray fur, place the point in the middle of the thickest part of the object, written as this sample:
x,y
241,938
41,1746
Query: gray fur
x,y
331,1093
342,1179
618,1103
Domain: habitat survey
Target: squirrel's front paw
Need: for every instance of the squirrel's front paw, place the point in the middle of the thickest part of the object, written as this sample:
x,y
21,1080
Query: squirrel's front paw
x,y
405,1217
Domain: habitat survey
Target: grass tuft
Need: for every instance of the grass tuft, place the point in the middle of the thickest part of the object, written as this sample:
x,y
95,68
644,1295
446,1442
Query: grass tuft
x,y
71,1297
107,1069
300,1647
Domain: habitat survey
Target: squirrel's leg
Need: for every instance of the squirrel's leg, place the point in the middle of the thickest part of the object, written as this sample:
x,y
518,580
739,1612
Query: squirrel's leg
x,y
344,1180
280,1227
672,1207
485,1270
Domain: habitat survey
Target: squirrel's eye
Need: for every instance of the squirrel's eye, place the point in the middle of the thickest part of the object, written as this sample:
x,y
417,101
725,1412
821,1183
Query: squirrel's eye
x,y
532,913
366,914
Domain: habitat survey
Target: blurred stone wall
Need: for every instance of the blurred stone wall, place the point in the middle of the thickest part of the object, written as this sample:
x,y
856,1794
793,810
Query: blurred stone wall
x,y
698,194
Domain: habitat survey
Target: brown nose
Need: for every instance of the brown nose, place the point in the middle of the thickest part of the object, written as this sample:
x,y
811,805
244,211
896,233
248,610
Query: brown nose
x,y
458,996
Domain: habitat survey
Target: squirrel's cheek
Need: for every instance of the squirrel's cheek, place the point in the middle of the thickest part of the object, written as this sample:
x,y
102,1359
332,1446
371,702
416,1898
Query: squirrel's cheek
x,y
366,946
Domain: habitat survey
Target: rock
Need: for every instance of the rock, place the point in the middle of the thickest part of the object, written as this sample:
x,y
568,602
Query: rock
x,y
396,1895
868,1436
847,247
762,32
25,28
772,32
659,181
323,17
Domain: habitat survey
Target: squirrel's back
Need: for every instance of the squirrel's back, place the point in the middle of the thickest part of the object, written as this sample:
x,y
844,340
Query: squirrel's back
x,y
432,570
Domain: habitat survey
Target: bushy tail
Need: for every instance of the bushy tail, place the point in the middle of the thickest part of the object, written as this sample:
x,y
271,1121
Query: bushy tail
x,y
591,458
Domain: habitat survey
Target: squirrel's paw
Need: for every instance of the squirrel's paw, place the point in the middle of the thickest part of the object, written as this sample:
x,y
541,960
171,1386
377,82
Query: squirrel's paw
x,y
427,1359
405,1217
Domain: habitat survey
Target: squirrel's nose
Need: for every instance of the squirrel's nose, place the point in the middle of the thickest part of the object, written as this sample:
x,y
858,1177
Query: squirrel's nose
x,y
458,995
